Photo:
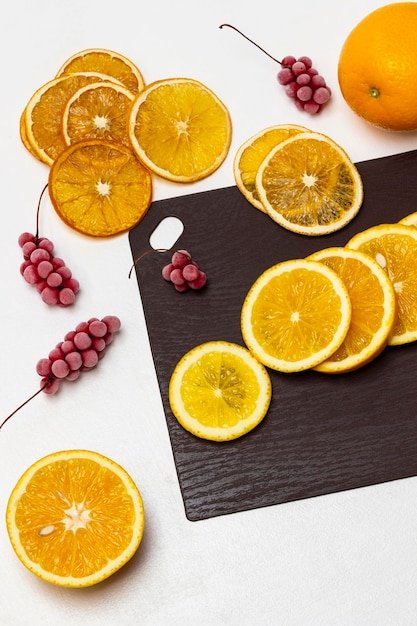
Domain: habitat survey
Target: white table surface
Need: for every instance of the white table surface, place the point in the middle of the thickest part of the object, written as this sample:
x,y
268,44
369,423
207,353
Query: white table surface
x,y
346,559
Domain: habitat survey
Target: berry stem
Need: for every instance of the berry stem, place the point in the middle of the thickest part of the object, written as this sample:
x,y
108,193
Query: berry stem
x,y
38,211
146,254
251,41
48,382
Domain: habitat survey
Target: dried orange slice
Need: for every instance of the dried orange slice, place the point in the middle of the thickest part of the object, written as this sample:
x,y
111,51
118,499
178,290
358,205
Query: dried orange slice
x,y
309,185
252,152
43,113
75,517
295,315
99,187
180,129
219,391
97,111
106,62
24,135
394,247
373,308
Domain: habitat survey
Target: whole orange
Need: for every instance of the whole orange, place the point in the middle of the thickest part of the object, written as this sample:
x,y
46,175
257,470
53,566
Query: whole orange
x,y
377,67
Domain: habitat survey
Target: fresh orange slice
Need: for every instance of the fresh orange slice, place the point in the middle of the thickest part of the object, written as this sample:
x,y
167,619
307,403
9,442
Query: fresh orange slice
x,y
99,187
394,247
75,517
97,111
373,308
180,129
42,123
106,62
409,220
309,185
252,152
295,315
219,391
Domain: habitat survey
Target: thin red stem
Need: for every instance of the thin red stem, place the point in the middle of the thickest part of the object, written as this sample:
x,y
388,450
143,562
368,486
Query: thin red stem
x,y
146,254
24,403
38,211
251,41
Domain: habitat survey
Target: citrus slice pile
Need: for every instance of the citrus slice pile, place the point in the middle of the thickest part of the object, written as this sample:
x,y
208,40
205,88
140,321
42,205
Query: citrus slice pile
x,y
252,152
295,315
373,308
394,247
176,128
219,391
41,121
75,517
302,179
290,323
180,129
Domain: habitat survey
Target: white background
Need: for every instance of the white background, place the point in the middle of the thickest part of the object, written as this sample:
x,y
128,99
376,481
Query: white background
x,y
347,559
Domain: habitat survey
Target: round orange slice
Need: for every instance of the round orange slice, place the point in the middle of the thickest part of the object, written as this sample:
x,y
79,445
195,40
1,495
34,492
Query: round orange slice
x,y
219,391
99,187
309,185
106,62
97,111
373,308
180,129
295,315
74,518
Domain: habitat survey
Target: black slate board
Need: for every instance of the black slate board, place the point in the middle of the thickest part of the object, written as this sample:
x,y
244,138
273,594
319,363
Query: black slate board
x,y
323,433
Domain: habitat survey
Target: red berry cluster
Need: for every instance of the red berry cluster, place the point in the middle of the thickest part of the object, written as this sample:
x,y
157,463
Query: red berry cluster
x,y
52,278
80,351
303,83
183,272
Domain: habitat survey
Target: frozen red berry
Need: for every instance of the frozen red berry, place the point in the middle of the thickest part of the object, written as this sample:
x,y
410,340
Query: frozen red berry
x,y
184,272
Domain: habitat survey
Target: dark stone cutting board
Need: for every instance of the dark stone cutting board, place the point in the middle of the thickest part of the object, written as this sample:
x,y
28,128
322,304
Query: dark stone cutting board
x,y
323,433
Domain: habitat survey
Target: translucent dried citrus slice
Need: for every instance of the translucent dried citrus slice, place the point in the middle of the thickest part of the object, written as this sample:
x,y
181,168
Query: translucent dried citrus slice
x,y
295,315
75,517
43,113
394,246
99,187
309,185
253,151
106,62
97,111
219,391
373,308
180,129
24,135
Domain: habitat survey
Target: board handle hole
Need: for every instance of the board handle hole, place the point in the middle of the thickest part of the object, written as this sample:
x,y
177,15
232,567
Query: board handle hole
x,y
167,233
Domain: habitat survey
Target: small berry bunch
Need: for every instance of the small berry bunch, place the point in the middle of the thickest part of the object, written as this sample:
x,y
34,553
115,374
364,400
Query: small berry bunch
x,y
51,277
303,83
80,351
183,272
301,80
